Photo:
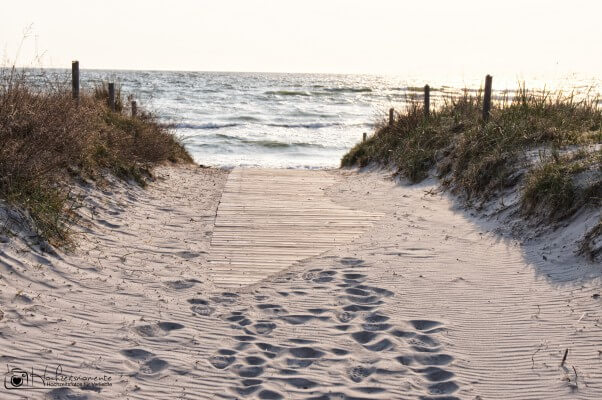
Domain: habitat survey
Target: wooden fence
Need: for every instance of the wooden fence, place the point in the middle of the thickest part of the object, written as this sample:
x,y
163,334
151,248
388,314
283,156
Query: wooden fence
x,y
75,86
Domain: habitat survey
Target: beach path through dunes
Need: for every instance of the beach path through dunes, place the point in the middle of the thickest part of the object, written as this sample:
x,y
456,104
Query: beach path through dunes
x,y
425,302
268,219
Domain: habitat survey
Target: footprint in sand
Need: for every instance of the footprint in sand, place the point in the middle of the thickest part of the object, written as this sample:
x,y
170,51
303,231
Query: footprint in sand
x,y
382,345
353,277
436,374
157,330
255,360
433,359
319,276
350,261
306,352
339,352
358,316
402,334
443,387
376,327
226,298
274,309
424,325
201,307
249,371
188,255
137,354
221,360
284,278
359,373
423,343
239,319
150,363
263,327
300,383
358,307
302,341
182,284
269,395
247,390
375,318
153,366
301,318
363,337
68,394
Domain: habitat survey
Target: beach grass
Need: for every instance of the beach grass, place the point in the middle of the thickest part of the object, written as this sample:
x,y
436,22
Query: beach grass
x,y
590,245
548,143
48,141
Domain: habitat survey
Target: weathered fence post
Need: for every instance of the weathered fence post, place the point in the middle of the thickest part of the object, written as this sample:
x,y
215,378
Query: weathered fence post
x,y
427,100
75,80
364,137
487,98
134,108
112,96
391,117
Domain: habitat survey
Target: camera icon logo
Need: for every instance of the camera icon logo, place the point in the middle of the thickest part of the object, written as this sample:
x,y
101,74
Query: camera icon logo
x,y
15,378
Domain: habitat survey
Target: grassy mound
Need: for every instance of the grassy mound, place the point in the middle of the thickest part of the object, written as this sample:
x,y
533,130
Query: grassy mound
x,y
47,140
479,159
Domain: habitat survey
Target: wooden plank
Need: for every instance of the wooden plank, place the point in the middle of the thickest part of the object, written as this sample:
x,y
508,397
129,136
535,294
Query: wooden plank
x,y
270,219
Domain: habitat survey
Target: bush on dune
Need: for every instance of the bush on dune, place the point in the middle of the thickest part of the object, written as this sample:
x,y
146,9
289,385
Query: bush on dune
x,y
47,140
479,159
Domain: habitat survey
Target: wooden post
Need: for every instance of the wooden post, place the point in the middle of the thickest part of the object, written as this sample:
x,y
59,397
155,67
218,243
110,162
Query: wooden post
x,y
427,100
487,98
112,96
364,137
75,80
391,117
134,108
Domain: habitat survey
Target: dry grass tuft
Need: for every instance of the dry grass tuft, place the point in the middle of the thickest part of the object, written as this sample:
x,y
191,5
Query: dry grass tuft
x,y
591,245
47,141
479,160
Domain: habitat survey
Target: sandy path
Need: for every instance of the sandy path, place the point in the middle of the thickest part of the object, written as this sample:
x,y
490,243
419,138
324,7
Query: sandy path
x,y
425,304
89,310
509,313
269,219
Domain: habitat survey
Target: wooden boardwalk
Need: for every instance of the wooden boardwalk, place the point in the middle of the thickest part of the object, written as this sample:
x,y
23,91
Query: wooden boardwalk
x,y
268,219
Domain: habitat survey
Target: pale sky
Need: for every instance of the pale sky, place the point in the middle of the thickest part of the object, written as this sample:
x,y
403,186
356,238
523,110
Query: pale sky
x,y
371,36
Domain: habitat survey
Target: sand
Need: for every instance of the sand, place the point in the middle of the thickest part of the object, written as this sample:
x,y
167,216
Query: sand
x,y
426,301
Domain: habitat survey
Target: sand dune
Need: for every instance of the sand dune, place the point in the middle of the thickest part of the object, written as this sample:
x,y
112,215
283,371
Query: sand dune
x,y
426,303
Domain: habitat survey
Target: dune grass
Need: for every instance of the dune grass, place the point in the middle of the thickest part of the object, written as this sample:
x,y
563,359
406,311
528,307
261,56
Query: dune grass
x,y
478,160
559,185
591,246
48,141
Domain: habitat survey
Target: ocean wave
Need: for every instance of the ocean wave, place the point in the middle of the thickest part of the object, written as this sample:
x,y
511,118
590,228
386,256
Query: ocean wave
x,y
209,125
321,92
311,114
246,118
287,93
349,90
229,137
268,143
314,125
274,144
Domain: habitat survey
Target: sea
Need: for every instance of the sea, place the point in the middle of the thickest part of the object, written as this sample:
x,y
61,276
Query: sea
x,y
284,120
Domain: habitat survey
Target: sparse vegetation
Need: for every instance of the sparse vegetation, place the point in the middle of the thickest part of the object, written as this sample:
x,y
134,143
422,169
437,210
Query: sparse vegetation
x,y
559,185
478,160
47,141
591,246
